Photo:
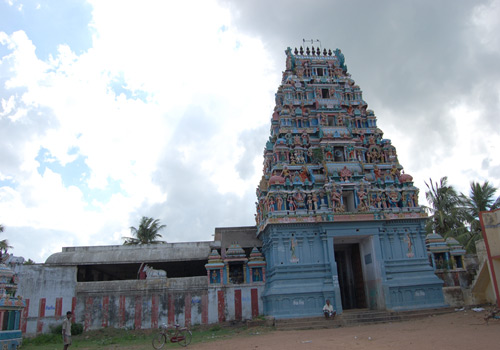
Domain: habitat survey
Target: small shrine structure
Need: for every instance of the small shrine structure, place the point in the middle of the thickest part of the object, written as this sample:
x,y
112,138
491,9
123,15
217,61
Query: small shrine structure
x,y
236,268
11,308
444,254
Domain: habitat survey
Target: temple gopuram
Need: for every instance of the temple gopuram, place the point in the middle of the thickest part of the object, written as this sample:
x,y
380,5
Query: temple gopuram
x,y
337,218
337,215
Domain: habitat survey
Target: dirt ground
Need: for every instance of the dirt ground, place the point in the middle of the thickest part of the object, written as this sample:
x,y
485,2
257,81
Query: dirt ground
x,y
458,330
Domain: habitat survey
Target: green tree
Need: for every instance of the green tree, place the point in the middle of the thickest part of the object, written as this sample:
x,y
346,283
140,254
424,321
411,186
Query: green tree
x,y
4,244
446,208
481,198
146,233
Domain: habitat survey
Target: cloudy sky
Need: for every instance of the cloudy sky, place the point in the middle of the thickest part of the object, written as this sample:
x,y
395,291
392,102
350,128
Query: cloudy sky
x,y
113,110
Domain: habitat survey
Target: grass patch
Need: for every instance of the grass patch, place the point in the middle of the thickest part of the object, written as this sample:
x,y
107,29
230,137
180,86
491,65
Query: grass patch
x,y
113,338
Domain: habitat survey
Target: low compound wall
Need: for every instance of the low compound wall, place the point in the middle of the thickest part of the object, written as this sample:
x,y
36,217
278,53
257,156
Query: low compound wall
x,y
135,304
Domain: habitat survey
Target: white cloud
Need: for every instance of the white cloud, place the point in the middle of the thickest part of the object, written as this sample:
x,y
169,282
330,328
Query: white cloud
x,y
172,104
175,57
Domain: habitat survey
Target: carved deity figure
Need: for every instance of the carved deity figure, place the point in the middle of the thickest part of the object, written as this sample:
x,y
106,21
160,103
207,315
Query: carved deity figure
x,y
371,140
351,153
305,139
345,174
395,171
285,173
393,197
336,199
214,276
323,119
299,200
383,200
304,174
318,93
377,173
340,121
362,198
279,202
309,202
315,201
293,247
296,140
270,204
415,199
291,203
410,246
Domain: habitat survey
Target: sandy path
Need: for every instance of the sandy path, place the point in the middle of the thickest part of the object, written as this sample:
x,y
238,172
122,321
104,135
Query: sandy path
x,y
459,330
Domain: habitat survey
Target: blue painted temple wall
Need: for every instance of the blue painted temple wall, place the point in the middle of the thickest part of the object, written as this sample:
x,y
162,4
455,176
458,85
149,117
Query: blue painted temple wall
x,y
302,271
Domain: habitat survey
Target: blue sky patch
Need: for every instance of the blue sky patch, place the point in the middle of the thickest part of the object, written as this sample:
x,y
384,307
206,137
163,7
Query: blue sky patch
x,y
119,86
77,173
49,24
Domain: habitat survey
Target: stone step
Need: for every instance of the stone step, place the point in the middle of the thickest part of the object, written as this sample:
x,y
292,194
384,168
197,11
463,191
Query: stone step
x,y
356,317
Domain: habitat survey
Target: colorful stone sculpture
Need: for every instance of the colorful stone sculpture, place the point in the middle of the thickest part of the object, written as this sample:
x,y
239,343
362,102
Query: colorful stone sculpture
x,y
321,125
10,310
334,207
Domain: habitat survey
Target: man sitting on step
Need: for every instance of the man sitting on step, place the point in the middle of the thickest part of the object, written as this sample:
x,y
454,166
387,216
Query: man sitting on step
x,y
328,310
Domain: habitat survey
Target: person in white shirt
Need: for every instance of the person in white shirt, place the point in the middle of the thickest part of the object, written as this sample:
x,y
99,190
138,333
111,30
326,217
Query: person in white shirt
x,y
66,330
328,310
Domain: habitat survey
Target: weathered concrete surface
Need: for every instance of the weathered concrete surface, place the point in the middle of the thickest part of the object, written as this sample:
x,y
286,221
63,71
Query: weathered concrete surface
x,y
41,286
246,236
454,296
125,254
222,302
142,286
51,291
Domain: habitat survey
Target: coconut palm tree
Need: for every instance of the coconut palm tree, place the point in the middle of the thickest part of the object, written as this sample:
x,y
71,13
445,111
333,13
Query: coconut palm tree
x,y
4,244
481,198
147,233
446,208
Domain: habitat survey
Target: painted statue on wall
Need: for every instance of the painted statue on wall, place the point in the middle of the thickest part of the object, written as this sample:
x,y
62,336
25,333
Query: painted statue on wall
x,y
214,276
293,247
409,243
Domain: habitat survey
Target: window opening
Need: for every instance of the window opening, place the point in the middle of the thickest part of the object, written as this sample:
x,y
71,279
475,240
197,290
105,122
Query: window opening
x,y
338,154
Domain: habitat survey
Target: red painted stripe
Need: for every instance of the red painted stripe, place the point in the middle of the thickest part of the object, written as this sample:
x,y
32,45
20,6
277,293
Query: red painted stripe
x,y
73,309
154,311
88,313
187,309
221,306
121,311
138,312
105,311
41,315
204,309
255,302
171,310
58,311
237,304
24,316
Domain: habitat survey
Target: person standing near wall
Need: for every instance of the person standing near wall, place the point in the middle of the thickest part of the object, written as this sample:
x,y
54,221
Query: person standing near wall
x,y
66,330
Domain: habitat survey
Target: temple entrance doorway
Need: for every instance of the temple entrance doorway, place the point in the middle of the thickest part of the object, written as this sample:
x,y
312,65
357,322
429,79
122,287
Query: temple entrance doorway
x,y
350,274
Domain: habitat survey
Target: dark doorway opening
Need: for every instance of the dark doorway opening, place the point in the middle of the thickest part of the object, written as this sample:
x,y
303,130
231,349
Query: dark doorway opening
x,y
350,273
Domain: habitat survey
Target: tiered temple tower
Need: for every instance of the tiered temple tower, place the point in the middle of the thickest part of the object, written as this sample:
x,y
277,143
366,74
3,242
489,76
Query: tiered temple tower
x,y
338,217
